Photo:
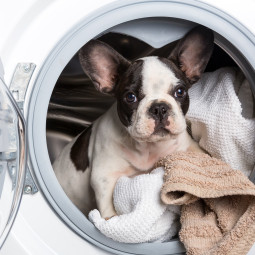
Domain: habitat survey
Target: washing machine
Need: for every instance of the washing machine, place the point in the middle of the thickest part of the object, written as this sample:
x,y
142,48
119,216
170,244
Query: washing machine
x,y
46,99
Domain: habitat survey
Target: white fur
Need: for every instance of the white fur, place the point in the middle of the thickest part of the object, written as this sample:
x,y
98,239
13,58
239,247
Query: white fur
x,y
158,79
74,183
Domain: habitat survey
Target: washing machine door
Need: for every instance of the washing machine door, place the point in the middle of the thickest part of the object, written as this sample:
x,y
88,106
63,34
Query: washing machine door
x,y
12,159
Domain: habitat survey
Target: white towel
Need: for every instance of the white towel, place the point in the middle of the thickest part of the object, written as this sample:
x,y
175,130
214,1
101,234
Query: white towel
x,y
220,112
142,215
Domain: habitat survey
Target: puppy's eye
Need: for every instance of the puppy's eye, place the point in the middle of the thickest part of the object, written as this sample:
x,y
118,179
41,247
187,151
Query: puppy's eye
x,y
180,92
131,97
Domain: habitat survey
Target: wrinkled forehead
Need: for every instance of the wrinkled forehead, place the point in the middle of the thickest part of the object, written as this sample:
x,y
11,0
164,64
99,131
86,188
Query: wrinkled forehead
x,y
158,77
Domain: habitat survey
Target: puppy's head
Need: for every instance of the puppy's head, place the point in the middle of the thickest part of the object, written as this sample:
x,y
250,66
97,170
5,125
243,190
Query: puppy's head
x,y
151,92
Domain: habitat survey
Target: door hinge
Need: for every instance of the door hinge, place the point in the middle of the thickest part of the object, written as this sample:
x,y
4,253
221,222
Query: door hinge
x,y
20,80
18,87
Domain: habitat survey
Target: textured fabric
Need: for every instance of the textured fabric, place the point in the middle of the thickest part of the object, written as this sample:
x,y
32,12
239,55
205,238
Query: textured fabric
x,y
142,215
220,112
218,212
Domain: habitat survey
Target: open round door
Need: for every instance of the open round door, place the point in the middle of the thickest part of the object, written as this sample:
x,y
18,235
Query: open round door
x,y
12,160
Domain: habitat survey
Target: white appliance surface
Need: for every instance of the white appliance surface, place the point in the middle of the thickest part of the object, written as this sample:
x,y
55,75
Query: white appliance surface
x,y
29,30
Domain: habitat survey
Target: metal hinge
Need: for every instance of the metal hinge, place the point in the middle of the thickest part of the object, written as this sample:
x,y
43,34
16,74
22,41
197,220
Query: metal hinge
x,y
18,87
20,81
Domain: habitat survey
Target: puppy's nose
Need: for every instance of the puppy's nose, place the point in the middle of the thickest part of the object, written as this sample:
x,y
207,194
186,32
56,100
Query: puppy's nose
x,y
159,111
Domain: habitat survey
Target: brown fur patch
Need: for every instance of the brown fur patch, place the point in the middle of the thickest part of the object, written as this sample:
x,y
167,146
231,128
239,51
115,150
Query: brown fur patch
x,y
79,151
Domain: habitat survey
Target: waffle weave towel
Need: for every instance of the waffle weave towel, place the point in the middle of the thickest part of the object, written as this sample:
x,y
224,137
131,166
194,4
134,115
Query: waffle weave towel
x,y
220,112
142,215
218,212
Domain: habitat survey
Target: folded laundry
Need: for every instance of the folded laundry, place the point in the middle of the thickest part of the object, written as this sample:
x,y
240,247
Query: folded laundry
x,y
218,203
222,118
142,215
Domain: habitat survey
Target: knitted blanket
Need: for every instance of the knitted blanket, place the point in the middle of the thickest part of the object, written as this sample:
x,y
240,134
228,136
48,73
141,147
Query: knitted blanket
x,y
218,212
221,116
142,215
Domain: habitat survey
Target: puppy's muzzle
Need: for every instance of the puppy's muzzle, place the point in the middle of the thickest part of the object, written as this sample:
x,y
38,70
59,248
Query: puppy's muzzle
x,y
159,112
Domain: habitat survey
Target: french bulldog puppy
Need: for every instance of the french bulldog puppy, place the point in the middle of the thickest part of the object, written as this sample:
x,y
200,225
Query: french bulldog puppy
x,y
146,123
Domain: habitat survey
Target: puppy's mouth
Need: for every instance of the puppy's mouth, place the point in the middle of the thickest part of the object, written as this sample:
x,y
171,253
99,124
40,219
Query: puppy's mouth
x,y
160,130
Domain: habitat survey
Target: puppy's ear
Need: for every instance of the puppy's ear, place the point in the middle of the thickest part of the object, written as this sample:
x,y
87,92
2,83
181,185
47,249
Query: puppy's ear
x,y
102,64
193,52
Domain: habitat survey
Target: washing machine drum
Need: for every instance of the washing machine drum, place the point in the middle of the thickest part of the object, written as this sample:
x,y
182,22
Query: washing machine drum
x,y
75,103
12,159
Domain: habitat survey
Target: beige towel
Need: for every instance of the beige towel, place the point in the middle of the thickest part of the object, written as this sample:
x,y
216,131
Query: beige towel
x,y
218,212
